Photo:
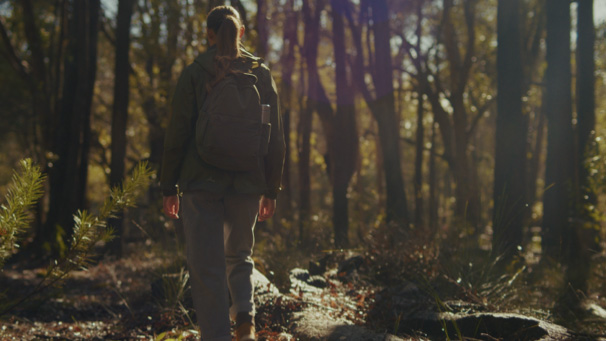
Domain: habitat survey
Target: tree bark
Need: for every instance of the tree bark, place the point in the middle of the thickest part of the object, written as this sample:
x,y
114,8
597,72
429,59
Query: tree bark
x,y
160,48
510,154
382,104
533,30
584,235
68,176
304,128
433,184
557,199
384,112
586,120
304,146
343,144
120,113
535,162
456,127
585,85
418,175
262,28
287,103
316,101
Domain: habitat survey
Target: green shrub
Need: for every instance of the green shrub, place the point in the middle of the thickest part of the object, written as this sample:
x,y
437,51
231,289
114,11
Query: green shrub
x,y
89,229
22,194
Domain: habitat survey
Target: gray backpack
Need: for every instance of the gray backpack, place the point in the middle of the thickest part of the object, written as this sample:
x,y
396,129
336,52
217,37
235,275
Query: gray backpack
x,y
230,134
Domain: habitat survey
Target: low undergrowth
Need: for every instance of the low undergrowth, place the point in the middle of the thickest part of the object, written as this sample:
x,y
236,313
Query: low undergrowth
x,y
451,274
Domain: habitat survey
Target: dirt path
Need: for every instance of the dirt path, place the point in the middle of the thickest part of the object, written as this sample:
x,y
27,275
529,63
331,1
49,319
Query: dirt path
x,y
145,296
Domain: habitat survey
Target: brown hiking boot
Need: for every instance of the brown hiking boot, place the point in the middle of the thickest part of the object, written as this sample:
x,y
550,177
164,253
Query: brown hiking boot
x,y
245,332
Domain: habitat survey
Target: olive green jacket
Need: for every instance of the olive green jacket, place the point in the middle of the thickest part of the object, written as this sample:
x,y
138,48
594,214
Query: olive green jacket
x,y
182,167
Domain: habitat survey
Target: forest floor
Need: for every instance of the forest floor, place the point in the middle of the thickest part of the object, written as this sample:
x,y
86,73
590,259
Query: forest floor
x,y
144,295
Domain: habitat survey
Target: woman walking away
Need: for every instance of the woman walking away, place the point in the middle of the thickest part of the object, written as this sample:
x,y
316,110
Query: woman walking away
x,y
224,153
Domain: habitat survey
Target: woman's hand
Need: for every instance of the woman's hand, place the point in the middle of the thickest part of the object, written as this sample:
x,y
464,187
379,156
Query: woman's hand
x,y
171,206
267,207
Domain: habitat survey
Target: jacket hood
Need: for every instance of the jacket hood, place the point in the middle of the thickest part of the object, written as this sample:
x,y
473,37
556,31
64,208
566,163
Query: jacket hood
x,y
206,59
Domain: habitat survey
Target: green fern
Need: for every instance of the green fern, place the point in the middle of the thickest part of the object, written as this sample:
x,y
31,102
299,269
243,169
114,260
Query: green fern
x,y
23,193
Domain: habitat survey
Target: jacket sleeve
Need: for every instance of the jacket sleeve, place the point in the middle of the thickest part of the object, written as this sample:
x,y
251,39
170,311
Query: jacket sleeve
x,y
179,131
274,161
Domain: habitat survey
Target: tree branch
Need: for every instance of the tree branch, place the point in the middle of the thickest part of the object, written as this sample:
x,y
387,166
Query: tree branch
x,y
10,54
359,58
412,142
451,43
481,111
470,21
34,41
103,26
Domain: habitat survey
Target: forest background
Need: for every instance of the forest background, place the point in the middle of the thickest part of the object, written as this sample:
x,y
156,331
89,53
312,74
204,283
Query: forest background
x,y
476,127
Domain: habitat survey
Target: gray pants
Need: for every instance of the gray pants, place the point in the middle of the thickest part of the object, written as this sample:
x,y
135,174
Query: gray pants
x,y
219,241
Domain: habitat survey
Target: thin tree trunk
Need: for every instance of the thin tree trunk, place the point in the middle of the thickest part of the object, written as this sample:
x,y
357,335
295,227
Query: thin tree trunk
x,y
418,180
304,131
455,127
262,28
585,85
315,99
382,104
303,136
68,176
433,184
380,172
557,199
87,71
383,110
510,154
343,140
533,34
584,234
120,113
418,176
287,102
586,119
38,82
534,163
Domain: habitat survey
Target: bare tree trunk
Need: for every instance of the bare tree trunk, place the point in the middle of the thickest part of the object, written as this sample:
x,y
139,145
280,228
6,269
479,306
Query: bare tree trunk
x,y
120,113
263,28
72,138
161,47
315,101
584,233
433,184
418,176
287,104
585,89
418,179
557,200
586,123
534,163
303,150
343,144
456,127
510,154
533,34
304,132
383,110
